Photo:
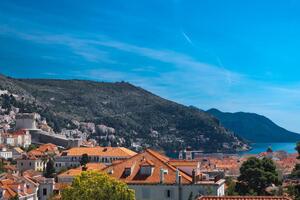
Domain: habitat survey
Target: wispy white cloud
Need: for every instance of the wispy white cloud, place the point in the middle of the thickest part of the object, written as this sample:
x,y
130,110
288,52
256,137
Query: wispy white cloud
x,y
188,80
187,38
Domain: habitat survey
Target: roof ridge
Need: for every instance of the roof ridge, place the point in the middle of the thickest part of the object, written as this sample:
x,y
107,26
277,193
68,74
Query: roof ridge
x,y
153,153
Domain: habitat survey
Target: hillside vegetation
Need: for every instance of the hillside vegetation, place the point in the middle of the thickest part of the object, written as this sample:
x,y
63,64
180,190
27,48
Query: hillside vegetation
x,y
135,114
253,127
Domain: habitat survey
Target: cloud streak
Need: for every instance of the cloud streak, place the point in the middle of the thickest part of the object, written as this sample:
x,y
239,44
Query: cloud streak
x,y
177,76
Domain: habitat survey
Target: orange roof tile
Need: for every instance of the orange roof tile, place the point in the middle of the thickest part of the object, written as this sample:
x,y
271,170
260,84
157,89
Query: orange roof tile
x,y
184,163
77,171
158,161
19,132
101,151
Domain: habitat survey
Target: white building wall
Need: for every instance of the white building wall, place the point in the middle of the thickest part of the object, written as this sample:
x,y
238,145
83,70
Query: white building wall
x,y
11,141
161,192
6,154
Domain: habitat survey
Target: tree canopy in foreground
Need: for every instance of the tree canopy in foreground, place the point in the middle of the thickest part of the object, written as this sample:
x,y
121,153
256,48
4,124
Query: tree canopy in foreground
x,y
256,176
92,185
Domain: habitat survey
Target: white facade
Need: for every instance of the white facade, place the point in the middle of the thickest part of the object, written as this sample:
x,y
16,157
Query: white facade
x,y
74,161
27,164
173,192
4,153
19,139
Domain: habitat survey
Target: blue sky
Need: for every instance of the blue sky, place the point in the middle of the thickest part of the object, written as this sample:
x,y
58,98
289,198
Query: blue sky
x,y
232,55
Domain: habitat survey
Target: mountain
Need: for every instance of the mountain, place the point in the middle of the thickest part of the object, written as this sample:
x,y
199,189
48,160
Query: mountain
x,y
138,116
253,127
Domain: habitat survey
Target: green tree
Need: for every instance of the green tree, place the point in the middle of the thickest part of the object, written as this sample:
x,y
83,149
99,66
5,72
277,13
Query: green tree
x,y
31,147
14,198
50,169
92,185
294,190
256,175
2,164
230,191
298,149
84,159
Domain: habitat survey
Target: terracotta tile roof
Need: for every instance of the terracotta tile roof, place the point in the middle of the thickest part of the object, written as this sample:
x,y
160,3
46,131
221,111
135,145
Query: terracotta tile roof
x,y
146,162
243,198
157,160
61,186
10,167
28,157
19,132
36,152
71,172
31,173
77,171
11,183
184,163
101,151
47,147
44,149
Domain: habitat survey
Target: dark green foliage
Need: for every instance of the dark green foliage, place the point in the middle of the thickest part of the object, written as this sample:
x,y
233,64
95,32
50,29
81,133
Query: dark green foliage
x,y
126,108
14,198
50,169
253,127
31,147
256,175
298,149
2,166
191,196
231,184
294,190
84,159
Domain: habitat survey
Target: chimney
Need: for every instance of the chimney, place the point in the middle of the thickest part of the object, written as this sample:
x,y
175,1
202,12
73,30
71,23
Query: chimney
x,y
194,176
162,178
162,174
25,188
177,176
180,180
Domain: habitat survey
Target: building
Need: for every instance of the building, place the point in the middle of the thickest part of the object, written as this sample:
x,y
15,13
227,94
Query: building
x,y
20,138
152,176
17,152
31,185
5,153
244,198
45,185
71,158
39,136
68,176
13,185
45,150
26,121
27,162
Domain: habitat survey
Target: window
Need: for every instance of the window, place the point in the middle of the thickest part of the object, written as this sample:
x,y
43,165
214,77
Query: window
x,y
127,171
146,170
21,164
29,163
44,191
168,193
